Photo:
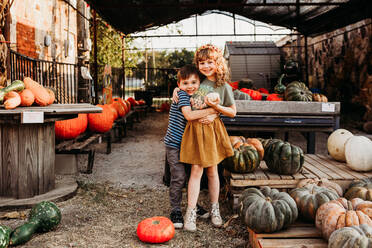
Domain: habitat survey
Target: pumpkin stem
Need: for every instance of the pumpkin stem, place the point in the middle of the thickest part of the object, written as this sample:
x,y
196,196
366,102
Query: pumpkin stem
x,y
155,222
268,199
349,206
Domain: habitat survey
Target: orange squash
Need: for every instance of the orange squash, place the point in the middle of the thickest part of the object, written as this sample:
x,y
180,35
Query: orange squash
x,y
42,96
12,100
317,97
341,213
27,97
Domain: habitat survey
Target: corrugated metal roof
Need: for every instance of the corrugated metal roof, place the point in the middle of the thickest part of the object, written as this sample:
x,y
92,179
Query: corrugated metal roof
x,y
251,48
307,16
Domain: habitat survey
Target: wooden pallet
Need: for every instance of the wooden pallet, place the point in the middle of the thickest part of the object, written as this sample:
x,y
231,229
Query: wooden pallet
x,y
299,234
315,167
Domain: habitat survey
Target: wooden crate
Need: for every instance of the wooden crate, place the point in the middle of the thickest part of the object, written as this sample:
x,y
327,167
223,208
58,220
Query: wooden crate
x,y
299,234
315,166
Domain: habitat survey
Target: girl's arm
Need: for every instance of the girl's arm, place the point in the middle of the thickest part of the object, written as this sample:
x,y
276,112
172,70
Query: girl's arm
x,y
191,115
228,111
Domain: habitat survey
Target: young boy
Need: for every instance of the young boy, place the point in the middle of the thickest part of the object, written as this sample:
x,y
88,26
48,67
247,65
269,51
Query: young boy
x,y
188,82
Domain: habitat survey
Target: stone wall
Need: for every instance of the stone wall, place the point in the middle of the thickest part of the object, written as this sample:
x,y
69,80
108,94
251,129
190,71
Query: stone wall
x,y
339,63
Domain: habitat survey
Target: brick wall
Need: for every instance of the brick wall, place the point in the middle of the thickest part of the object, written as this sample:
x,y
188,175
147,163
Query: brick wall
x,y
26,40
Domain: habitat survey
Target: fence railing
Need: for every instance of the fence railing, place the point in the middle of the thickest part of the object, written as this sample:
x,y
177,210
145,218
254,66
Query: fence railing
x,y
61,77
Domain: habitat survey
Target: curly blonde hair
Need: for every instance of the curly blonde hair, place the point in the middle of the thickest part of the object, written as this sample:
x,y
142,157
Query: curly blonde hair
x,y
210,51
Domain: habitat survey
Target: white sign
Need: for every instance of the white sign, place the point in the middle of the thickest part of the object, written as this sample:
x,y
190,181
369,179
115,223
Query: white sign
x,y
328,107
32,117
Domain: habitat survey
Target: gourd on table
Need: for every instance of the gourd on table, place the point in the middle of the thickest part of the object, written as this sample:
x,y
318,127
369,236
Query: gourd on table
x,y
43,217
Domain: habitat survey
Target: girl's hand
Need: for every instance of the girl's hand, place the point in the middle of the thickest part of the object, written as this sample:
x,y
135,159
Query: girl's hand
x,y
212,99
175,95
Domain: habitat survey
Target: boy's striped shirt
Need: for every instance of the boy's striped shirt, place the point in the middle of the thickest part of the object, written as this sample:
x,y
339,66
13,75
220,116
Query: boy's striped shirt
x,y
177,121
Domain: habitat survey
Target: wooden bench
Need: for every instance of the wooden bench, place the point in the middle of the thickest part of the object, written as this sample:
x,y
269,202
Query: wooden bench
x,y
81,145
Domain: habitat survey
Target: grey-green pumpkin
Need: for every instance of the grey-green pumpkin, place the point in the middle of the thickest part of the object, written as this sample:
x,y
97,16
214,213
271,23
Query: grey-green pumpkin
x,y
310,198
297,91
245,159
283,158
360,189
239,95
351,237
267,210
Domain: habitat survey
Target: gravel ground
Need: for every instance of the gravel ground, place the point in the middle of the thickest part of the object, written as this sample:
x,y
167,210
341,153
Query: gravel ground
x,y
126,187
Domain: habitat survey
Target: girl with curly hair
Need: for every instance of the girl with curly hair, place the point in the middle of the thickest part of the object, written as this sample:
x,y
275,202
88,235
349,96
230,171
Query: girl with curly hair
x,y
206,145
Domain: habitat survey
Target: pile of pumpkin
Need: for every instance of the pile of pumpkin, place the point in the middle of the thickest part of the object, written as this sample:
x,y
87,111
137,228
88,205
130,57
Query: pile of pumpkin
x,y
294,91
355,150
43,217
95,122
343,221
26,93
281,157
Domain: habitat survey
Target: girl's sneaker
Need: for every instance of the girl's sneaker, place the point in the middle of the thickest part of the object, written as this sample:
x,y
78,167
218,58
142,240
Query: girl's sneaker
x,y
201,212
176,218
190,220
215,215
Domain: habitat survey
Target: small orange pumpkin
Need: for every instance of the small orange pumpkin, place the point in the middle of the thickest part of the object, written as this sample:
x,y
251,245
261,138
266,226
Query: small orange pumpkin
x,y
258,145
27,97
156,229
12,100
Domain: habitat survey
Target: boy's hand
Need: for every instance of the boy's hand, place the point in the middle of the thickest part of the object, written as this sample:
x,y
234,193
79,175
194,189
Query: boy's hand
x,y
208,119
175,95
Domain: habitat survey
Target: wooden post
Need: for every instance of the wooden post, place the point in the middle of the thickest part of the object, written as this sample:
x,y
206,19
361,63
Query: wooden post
x,y
123,61
95,56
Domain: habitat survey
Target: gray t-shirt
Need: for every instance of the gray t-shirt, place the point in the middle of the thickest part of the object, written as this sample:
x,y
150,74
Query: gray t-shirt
x,y
225,92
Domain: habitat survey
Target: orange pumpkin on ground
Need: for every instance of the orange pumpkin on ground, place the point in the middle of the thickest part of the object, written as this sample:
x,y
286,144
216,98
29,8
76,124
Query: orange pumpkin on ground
x,y
27,97
71,128
340,213
156,229
42,96
101,122
12,100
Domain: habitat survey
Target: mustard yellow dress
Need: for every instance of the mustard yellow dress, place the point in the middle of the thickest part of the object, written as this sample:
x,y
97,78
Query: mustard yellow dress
x,y
208,144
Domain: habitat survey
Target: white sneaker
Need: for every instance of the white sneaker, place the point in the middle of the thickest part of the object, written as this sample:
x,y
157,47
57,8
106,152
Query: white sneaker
x,y
215,215
190,220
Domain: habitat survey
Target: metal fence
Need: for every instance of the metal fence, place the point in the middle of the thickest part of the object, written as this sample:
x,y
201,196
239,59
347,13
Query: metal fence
x,y
61,77
154,85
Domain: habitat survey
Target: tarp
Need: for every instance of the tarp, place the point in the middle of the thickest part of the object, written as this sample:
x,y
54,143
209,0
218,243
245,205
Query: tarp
x,y
307,16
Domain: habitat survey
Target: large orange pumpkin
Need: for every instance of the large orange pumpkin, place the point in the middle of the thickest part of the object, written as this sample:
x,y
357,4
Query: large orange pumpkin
x,y
122,103
129,106
114,111
101,122
340,213
156,229
119,108
71,128
132,101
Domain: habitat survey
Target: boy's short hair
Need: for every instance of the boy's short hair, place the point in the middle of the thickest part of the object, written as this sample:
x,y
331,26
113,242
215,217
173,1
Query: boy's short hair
x,y
186,71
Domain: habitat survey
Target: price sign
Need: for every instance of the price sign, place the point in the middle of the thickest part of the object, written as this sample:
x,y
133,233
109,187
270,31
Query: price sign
x,y
328,107
32,117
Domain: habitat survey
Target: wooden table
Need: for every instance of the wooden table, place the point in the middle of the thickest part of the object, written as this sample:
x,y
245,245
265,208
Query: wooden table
x,y
315,167
285,116
27,149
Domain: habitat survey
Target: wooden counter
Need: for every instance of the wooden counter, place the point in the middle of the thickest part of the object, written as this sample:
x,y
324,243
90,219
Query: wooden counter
x,y
27,149
285,116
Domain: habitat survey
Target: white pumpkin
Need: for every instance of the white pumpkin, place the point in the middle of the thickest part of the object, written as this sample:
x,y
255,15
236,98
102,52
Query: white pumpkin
x,y
358,153
336,143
